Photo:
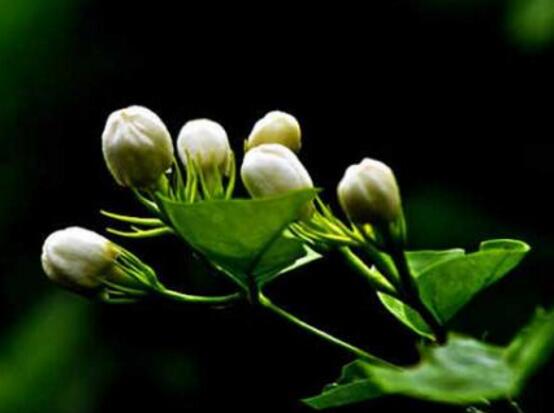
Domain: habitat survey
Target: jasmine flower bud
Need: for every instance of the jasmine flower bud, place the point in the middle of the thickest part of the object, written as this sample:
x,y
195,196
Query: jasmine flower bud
x,y
369,194
276,127
78,259
206,143
272,169
137,147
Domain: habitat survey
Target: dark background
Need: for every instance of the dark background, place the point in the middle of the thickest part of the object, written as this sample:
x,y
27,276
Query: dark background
x,y
452,94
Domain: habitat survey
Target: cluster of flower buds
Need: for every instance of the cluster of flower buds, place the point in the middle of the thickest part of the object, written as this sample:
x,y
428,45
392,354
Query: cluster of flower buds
x,y
138,151
368,192
270,165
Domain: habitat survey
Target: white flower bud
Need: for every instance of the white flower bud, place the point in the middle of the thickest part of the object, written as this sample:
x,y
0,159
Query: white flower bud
x,y
276,127
205,142
137,147
273,169
369,194
78,258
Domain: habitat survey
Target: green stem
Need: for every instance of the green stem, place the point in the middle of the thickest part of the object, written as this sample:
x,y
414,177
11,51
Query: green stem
x,y
413,298
384,265
199,299
137,233
146,222
162,185
369,358
374,277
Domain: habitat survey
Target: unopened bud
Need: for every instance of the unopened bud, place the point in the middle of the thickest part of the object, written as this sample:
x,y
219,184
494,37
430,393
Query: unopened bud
x,y
276,127
273,169
369,194
137,147
78,259
206,143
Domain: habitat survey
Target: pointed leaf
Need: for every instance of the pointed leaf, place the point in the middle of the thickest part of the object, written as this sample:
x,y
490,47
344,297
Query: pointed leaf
x,y
449,286
407,316
448,280
238,234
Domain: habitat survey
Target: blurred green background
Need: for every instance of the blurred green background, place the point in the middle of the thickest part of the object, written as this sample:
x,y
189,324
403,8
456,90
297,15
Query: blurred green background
x,y
451,93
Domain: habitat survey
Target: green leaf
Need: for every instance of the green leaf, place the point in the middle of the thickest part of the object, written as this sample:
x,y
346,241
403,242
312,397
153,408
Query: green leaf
x,y
243,237
448,280
352,387
421,261
407,316
450,285
532,347
284,256
463,372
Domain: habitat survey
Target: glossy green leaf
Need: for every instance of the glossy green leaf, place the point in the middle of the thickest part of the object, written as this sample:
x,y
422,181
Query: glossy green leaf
x,y
463,372
243,237
448,280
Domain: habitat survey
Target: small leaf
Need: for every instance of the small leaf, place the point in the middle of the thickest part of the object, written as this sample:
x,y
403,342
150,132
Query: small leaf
x,y
243,237
448,280
409,317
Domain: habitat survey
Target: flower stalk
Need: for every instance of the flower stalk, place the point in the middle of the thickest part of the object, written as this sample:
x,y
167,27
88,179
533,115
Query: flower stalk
x,y
359,353
372,275
221,300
